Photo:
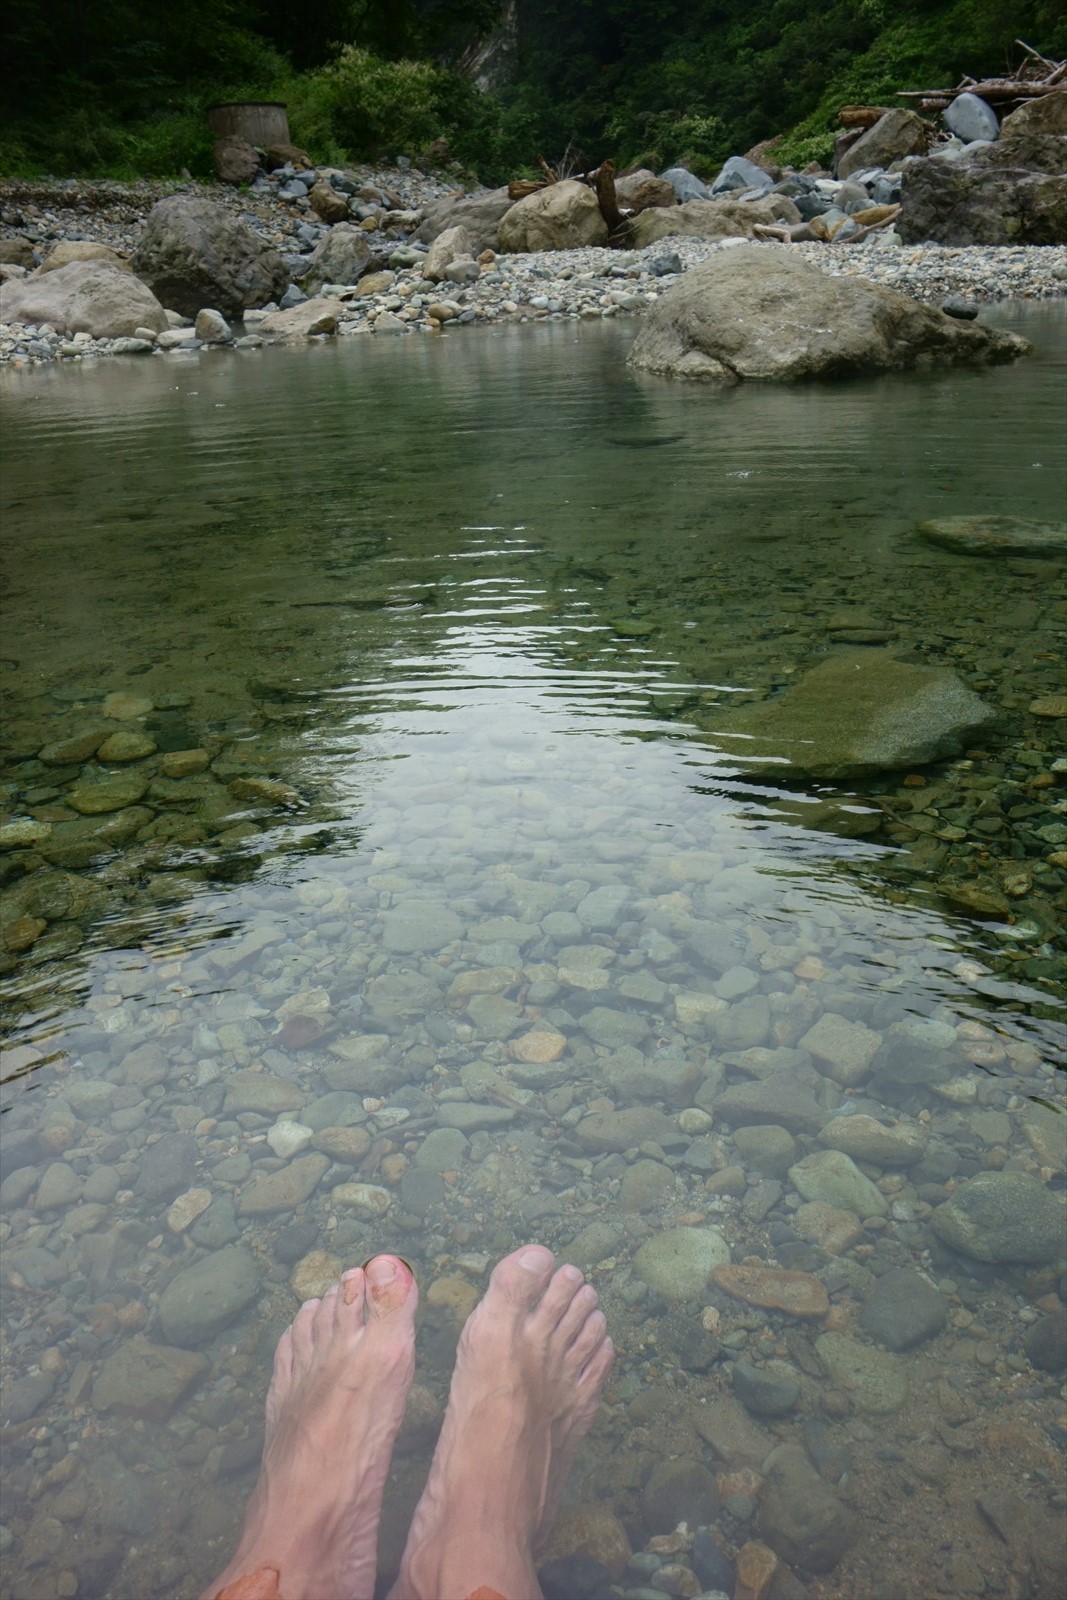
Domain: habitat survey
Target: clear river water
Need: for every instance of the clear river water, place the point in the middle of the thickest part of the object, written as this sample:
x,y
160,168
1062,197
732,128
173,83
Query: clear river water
x,y
380,871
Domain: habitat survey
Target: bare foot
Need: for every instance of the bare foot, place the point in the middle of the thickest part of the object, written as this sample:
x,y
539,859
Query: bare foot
x,y
531,1363
342,1372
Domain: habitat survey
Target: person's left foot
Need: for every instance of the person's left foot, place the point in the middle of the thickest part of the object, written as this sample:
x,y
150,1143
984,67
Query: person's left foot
x,y
342,1372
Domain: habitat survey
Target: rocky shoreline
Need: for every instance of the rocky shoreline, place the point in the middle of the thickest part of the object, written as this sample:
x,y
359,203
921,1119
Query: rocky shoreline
x,y
590,282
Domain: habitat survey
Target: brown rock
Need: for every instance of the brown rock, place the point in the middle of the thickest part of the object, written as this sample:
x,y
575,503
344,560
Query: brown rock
x,y
798,1294
22,933
314,1273
280,155
592,1531
284,1190
832,1229
756,1566
68,250
235,159
541,1045
454,1295
182,763
343,1144
328,203
146,1380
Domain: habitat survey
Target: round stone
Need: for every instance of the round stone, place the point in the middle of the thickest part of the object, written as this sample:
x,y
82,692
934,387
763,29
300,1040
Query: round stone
x,y
1003,1216
679,1262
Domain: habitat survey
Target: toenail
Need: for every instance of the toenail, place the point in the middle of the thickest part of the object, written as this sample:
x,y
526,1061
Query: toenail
x,y
572,1274
381,1270
533,1260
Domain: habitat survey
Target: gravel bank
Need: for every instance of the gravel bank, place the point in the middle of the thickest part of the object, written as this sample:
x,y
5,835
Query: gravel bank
x,y
584,283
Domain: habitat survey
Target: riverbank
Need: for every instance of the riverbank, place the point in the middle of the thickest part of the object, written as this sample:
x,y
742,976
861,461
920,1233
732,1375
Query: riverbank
x,y
582,283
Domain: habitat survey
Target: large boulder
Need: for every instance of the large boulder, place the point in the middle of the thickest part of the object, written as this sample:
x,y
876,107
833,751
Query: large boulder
x,y
968,203
970,117
686,185
713,219
1004,1216
637,191
750,312
193,253
858,713
1046,113
480,214
328,203
894,136
562,216
300,322
68,250
446,248
84,297
342,257
236,161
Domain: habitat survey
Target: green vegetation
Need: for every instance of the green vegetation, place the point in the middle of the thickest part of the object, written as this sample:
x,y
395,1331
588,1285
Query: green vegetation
x,y
117,88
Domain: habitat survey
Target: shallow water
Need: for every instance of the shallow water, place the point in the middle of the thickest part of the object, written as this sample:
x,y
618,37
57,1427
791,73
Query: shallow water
x,y
484,605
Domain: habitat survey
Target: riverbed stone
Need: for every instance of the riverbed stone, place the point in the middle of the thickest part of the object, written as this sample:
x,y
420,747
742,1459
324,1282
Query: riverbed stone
x,y
262,1092
646,1185
829,1227
1045,1342
625,1129
798,1294
681,1490
876,1380
562,216
1003,1216
833,1177
310,319
126,745
94,297
903,1309
768,1147
970,117
203,1299
778,1099
864,1138
858,713
800,1517
59,1187
678,1262
993,535
842,1049
109,792
770,1391
612,1028
268,1192
193,252
145,1380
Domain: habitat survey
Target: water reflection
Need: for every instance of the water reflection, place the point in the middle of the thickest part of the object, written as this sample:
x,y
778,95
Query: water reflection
x,y
434,667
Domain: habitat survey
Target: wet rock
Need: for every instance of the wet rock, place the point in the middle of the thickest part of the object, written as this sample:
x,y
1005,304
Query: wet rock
x,y
22,1397
996,535
777,1099
1003,1216
203,1299
183,1212
288,1138
631,1075
167,1167
419,1190
348,1145
603,1131
798,1294
832,1229
748,313
261,1092
146,1380
876,1380
833,1177
109,792
860,713
646,1186
341,257
193,253
614,1029
679,1262
469,1118
903,1309
842,1049
314,1273
865,1139
478,214
770,1391
1045,1130
1045,1342
576,1577
540,1047
767,1147
217,1226
268,1192
963,203
736,1440
679,1491
800,1517
59,1187
370,1199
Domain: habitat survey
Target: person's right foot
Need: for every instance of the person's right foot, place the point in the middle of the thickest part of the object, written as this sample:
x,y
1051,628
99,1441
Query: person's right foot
x,y
531,1363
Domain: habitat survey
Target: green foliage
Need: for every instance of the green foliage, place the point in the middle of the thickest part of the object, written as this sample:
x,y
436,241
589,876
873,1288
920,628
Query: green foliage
x,y
359,102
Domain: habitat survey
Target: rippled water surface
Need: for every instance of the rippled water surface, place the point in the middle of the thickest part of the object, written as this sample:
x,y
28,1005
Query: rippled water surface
x,y
422,826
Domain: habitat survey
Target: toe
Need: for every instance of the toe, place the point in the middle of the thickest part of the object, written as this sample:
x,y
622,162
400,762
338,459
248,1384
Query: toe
x,y
595,1372
576,1314
559,1297
325,1313
283,1358
302,1331
390,1288
520,1277
353,1289
589,1339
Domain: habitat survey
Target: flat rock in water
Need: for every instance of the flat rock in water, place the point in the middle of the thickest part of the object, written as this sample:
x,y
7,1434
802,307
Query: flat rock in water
x,y
996,536
798,1294
800,1517
679,1262
200,1301
1003,1216
875,1379
857,714
778,1099
864,1138
146,1380
283,1190
754,313
834,1178
903,1309
624,1130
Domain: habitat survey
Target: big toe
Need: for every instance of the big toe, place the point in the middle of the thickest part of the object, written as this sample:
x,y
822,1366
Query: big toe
x,y
520,1278
390,1288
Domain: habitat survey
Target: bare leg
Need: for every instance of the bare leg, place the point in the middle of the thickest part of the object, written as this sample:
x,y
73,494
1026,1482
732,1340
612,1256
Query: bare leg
x,y
531,1363
342,1372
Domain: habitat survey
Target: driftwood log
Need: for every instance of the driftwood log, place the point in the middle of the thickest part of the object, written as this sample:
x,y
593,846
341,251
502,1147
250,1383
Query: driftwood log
x,y
1038,75
861,116
600,179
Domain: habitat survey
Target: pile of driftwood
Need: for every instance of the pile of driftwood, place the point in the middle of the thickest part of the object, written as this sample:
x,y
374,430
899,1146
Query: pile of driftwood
x,y
1036,76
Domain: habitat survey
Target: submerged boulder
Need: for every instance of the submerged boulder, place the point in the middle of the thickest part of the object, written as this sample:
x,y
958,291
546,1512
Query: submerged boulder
x,y
751,312
562,216
996,536
84,297
856,714
193,253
